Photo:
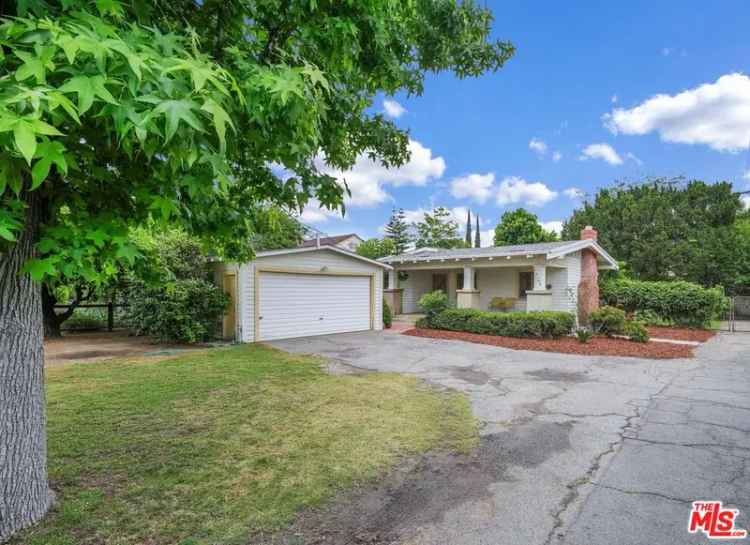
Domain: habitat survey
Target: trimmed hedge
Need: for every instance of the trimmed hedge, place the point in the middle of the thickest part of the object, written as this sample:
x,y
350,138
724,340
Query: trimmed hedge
x,y
608,320
507,324
683,303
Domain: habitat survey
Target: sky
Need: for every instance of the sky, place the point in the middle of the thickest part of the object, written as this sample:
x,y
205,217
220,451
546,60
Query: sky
x,y
597,92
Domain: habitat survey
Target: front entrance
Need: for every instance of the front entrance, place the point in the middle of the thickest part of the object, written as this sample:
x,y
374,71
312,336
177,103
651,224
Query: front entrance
x,y
440,282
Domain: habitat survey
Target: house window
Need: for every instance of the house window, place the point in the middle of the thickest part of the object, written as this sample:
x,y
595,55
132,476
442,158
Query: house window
x,y
525,283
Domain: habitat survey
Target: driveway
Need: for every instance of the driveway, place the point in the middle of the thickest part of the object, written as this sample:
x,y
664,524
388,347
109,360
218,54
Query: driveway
x,y
575,450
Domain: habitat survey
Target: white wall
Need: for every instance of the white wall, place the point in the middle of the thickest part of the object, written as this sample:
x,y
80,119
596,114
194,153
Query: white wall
x,y
500,282
314,260
418,283
565,282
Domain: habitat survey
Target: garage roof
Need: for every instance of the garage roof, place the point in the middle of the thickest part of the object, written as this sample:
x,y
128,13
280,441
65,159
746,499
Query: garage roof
x,y
334,249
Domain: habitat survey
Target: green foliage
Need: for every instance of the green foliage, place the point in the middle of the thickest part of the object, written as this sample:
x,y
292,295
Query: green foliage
x,y
397,230
87,319
521,227
584,335
433,303
387,315
502,303
635,331
467,238
274,229
375,248
682,303
608,320
183,310
650,317
667,229
508,324
422,323
438,230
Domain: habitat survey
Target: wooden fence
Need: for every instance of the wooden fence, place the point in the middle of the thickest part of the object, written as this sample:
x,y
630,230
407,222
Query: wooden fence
x,y
110,311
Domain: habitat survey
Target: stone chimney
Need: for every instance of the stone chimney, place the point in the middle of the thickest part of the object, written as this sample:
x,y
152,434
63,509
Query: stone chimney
x,y
589,233
588,288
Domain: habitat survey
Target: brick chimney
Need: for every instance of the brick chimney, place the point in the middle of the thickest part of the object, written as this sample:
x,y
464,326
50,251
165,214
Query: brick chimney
x,y
589,233
588,288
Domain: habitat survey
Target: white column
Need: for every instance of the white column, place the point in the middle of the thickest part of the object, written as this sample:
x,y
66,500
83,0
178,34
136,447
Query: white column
x,y
392,279
468,278
540,277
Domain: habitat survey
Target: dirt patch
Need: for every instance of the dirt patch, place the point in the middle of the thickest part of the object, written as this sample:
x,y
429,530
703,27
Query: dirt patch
x,y
681,333
553,375
420,491
89,347
598,346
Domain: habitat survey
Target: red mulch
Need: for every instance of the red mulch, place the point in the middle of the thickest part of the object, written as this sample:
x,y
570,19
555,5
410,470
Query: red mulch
x,y
597,346
681,333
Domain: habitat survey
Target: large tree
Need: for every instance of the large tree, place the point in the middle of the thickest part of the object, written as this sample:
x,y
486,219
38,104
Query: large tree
x,y
668,228
375,248
438,229
178,112
521,227
397,229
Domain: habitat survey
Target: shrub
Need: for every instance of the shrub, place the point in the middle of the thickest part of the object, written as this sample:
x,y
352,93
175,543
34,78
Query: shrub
x,y
608,320
422,323
387,315
683,303
433,303
86,319
502,303
649,317
636,331
509,324
183,310
584,335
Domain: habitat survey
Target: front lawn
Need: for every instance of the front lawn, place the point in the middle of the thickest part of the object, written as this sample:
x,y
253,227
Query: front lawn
x,y
211,447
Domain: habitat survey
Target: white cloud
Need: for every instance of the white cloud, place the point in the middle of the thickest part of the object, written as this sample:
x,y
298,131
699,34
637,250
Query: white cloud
x,y
601,151
315,213
554,226
367,178
514,189
715,114
477,187
538,146
487,237
745,201
666,51
556,156
574,193
746,175
393,108
613,99
634,158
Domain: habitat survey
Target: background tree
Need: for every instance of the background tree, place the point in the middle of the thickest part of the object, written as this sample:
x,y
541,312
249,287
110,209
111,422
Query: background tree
x,y
477,234
521,227
667,228
468,229
375,248
397,229
438,230
175,112
274,229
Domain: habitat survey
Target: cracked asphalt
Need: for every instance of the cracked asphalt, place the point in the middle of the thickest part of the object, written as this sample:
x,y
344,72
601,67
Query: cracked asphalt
x,y
580,450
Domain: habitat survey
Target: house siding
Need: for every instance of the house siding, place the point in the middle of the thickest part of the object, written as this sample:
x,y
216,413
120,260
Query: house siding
x,y
418,283
500,282
315,260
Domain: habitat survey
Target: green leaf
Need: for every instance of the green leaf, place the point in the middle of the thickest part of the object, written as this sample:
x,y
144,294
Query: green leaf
x,y
221,120
175,111
128,252
25,139
87,88
39,268
32,67
40,172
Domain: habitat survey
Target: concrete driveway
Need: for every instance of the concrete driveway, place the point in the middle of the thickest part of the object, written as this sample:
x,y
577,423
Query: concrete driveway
x,y
575,450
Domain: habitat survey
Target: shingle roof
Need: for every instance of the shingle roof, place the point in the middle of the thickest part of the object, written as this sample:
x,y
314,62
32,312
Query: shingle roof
x,y
495,251
327,241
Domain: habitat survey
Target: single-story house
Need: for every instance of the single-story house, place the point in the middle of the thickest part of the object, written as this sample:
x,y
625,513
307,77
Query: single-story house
x,y
349,241
299,292
544,276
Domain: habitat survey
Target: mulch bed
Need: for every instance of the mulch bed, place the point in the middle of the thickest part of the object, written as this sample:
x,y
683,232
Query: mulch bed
x,y
597,346
681,333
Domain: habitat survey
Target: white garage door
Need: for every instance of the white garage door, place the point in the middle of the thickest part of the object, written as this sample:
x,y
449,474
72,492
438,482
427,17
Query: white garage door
x,y
301,305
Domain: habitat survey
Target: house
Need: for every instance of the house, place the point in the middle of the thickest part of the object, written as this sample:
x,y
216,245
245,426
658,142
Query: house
x,y
299,292
349,241
544,276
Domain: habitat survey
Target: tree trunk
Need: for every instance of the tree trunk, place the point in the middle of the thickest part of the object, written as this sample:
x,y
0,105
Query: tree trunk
x,y
24,493
52,321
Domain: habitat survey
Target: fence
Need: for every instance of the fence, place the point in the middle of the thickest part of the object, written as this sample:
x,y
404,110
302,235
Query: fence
x,y
109,306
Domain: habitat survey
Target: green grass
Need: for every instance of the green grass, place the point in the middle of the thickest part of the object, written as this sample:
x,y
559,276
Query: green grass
x,y
210,447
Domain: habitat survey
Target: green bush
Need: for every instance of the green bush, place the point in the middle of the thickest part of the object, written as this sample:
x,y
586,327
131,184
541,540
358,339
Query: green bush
x,y
649,317
509,324
86,319
608,320
636,331
683,303
184,310
421,323
433,303
387,315
584,335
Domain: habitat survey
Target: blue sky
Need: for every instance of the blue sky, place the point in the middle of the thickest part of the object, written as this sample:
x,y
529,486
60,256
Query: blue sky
x,y
597,92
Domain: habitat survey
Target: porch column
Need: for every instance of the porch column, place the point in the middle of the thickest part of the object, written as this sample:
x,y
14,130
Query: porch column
x,y
540,277
393,295
467,296
452,286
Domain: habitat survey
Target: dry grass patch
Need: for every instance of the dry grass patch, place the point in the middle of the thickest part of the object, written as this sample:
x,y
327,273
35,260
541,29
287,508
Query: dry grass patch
x,y
210,448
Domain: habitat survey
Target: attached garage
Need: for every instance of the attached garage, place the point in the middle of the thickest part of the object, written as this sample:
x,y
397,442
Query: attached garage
x,y
302,292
